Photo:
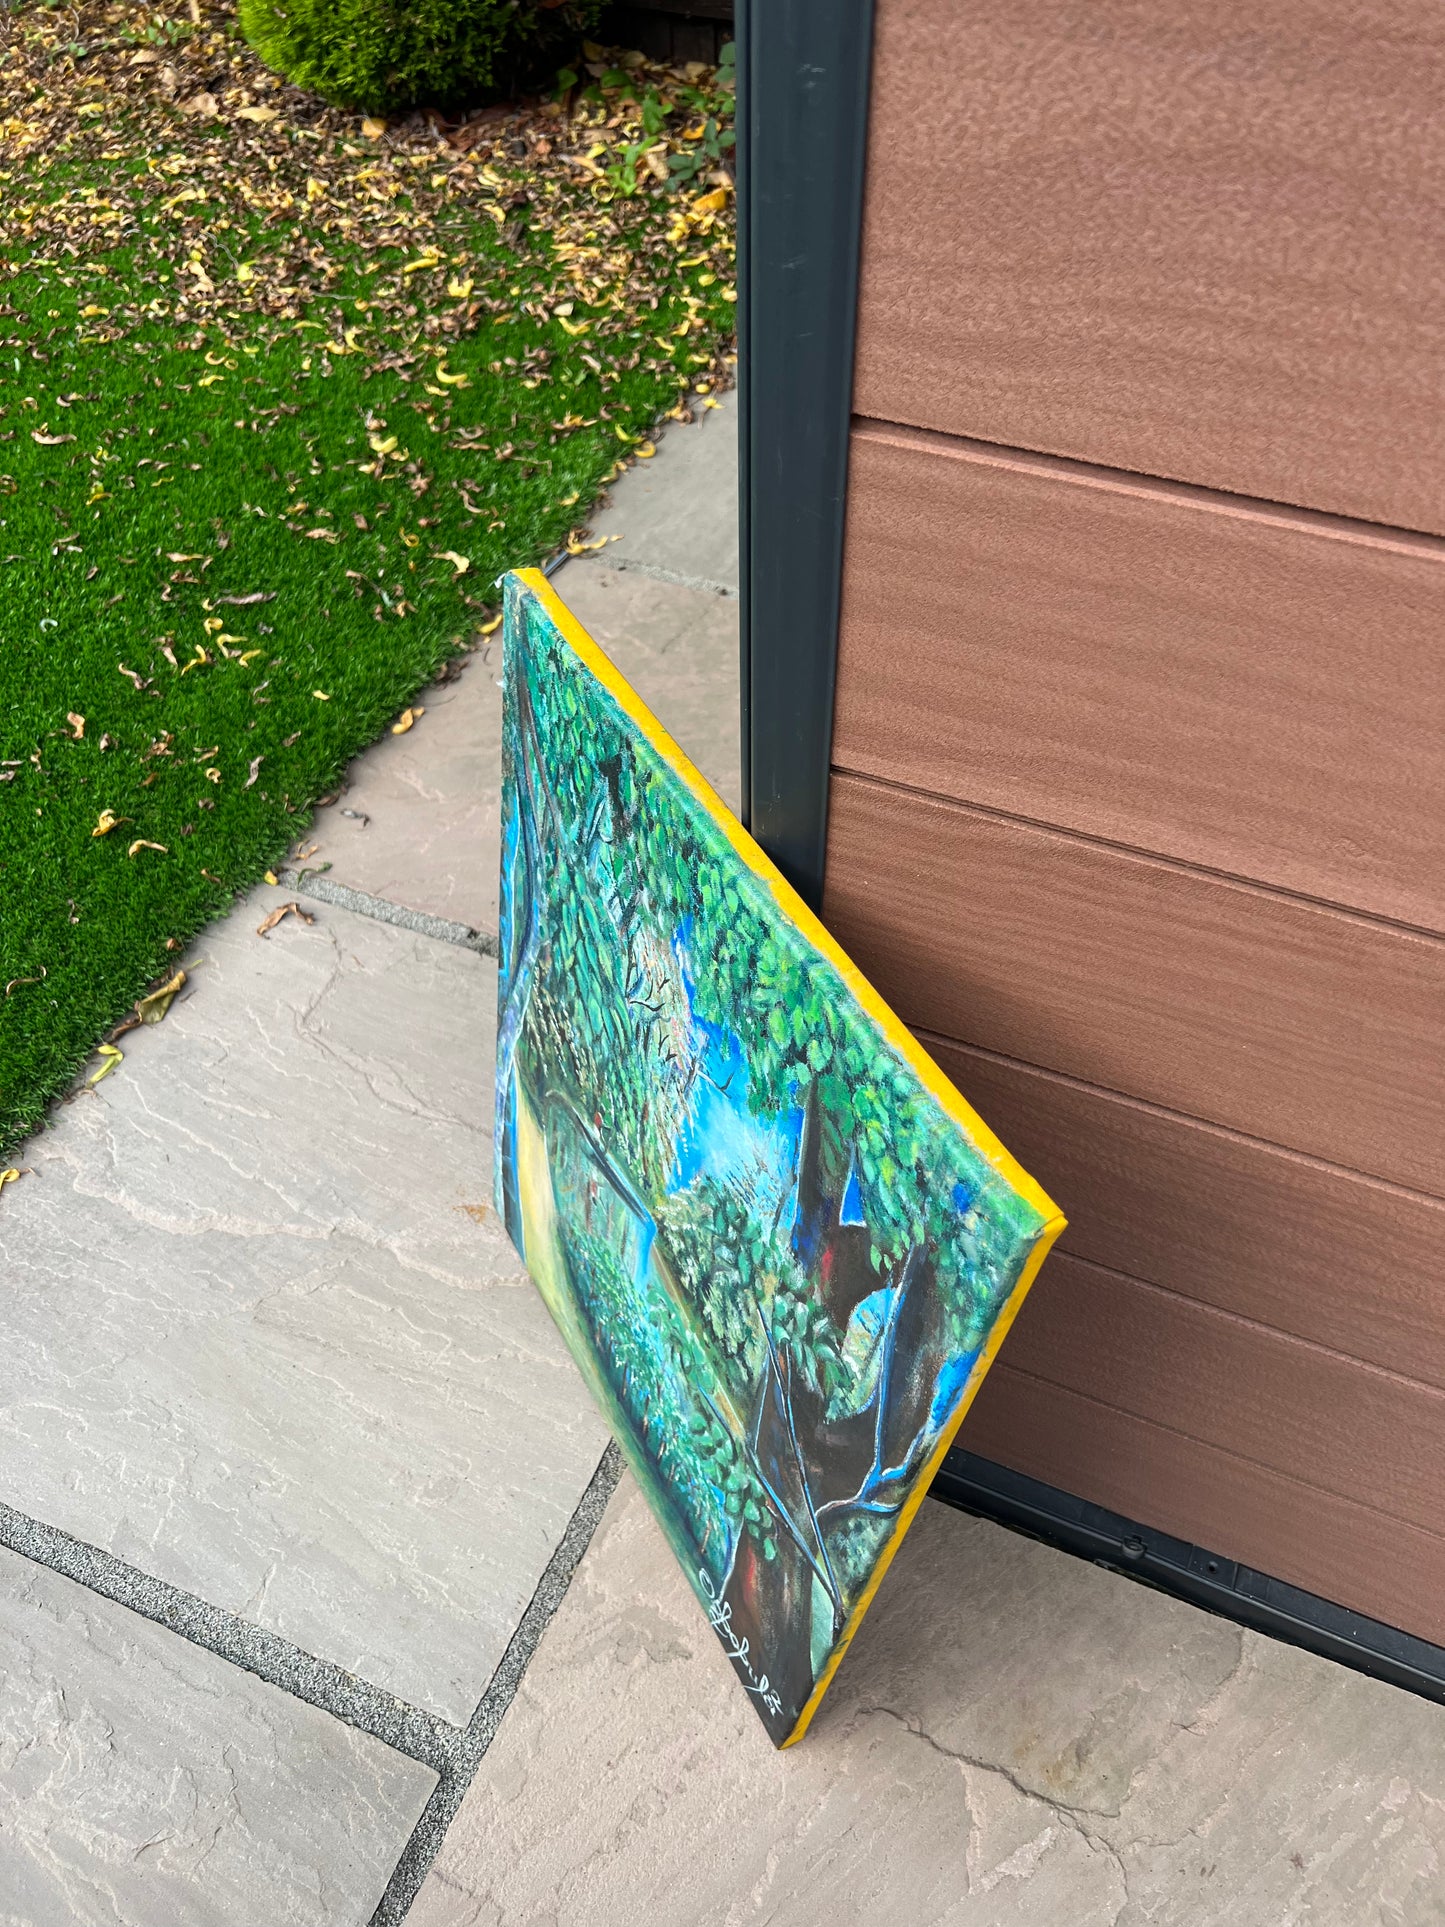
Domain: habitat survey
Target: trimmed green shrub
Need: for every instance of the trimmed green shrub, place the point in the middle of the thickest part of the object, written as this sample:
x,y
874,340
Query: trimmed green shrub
x,y
387,55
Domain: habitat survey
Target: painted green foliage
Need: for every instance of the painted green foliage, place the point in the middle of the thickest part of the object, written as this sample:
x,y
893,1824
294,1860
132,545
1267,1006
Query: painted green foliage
x,y
781,1255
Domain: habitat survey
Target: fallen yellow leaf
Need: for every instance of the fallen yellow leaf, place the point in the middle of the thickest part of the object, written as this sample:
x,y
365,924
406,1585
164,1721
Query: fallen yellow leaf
x,y
141,843
458,288
382,445
321,695
9,1177
405,720
490,628
452,381
151,1009
461,563
108,821
712,203
113,1056
271,877
77,725
373,128
258,114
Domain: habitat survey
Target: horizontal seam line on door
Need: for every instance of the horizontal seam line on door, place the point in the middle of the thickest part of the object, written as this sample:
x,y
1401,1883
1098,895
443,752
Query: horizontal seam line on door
x,y
1385,1372
1180,866
929,1036
1213,1445
1325,523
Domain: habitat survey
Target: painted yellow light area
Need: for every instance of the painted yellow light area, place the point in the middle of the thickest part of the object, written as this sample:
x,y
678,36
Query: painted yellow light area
x,y
539,1209
534,1176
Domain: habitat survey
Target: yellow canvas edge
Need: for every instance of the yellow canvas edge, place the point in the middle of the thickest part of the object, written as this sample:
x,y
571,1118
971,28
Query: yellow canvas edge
x,y
952,1101
1036,1257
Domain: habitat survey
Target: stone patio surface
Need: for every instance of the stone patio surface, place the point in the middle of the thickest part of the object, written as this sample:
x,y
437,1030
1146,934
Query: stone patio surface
x,y
264,1338
1016,1739
264,1344
143,1780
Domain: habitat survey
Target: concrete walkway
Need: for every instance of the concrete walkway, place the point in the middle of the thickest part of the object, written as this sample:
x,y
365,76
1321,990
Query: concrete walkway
x,y
302,1615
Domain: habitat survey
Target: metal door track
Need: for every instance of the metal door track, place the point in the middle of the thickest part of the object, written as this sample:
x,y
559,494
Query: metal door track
x,y
1189,1572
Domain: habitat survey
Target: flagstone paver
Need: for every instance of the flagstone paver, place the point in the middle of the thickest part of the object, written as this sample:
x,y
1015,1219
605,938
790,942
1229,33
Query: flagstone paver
x,y
417,823
263,1336
145,1783
678,513
1015,1737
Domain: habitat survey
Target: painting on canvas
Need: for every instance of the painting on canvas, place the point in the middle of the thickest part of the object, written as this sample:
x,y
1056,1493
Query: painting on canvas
x,y
779,1244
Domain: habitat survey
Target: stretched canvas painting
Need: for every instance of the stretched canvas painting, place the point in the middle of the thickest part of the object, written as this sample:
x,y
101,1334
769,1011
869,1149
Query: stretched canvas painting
x,y
780,1245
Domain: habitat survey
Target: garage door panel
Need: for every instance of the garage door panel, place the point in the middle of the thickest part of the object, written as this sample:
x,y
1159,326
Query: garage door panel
x,y
1315,1415
1272,1016
1312,1250
1196,242
1203,1493
1250,690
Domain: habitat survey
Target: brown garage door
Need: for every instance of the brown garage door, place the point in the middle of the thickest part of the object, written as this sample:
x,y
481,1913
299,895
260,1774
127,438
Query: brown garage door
x,y
1139,785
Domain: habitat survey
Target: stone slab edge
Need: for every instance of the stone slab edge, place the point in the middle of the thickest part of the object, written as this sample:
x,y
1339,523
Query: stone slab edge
x,y
452,1753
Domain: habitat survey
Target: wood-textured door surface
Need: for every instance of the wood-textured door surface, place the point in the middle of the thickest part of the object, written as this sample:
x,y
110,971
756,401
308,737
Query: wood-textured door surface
x,y
1194,241
1138,799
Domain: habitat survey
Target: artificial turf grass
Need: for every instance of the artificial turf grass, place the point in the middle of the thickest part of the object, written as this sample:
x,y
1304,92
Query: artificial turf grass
x,y
91,587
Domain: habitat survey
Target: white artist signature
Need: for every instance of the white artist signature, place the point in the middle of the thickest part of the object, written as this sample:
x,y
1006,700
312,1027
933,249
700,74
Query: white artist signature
x,y
720,1618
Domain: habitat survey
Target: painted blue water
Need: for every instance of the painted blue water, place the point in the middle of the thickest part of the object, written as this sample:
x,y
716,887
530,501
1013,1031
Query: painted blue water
x,y
721,1136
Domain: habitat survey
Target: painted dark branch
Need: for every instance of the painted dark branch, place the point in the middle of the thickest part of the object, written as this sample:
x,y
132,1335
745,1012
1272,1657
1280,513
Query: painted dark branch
x,y
785,1399
871,1493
